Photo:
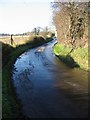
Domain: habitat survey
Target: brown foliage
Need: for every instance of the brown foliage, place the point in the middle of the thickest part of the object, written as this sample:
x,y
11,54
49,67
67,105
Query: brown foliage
x,y
71,21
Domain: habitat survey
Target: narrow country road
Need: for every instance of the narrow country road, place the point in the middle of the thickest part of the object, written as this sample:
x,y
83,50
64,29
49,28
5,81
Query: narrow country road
x,y
47,88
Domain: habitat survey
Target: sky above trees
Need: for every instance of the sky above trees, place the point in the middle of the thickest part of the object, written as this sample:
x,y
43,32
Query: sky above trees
x,y
17,16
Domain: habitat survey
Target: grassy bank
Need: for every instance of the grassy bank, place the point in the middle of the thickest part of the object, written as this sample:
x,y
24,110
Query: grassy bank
x,y
78,58
11,106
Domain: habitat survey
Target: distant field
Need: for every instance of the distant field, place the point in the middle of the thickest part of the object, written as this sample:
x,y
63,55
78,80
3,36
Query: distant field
x,y
17,39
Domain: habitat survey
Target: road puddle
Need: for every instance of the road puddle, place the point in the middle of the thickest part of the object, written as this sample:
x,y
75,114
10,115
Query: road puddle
x,y
47,88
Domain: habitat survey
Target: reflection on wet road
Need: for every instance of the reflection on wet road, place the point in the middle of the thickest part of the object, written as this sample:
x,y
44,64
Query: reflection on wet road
x,y
47,88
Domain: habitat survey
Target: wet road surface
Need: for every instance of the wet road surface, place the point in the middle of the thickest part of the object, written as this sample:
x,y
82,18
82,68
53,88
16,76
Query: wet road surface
x,y
47,88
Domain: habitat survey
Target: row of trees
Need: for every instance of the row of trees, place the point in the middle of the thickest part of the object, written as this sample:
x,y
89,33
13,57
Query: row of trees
x,y
4,34
36,31
43,31
71,21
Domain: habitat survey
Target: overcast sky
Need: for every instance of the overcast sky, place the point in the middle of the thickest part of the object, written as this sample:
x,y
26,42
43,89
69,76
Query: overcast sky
x,y
18,16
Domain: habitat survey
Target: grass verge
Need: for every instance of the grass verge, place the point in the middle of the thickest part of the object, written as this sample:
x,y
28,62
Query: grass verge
x,y
10,104
78,58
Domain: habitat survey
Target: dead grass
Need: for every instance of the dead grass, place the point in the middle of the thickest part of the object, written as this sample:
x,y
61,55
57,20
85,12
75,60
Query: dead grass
x,y
18,40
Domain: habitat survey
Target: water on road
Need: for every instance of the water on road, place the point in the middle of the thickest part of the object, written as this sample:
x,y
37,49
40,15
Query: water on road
x,y
47,88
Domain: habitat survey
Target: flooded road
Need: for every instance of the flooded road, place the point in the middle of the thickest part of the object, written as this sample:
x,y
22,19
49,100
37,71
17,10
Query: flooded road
x,y
47,88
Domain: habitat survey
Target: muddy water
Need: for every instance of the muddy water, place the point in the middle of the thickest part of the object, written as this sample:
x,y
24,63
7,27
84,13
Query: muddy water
x,y
47,88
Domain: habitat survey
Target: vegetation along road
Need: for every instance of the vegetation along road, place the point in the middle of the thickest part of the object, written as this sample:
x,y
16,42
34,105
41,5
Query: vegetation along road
x,y
47,88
